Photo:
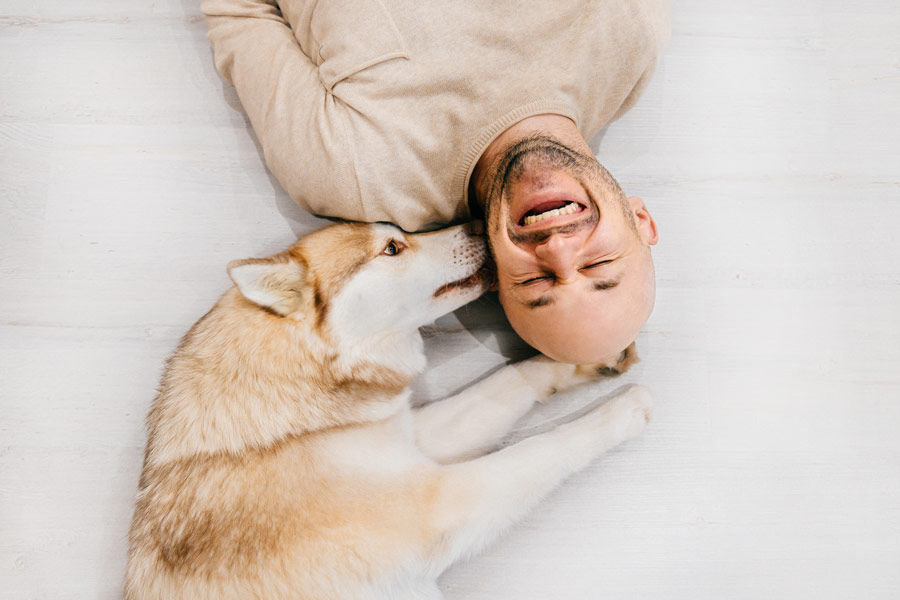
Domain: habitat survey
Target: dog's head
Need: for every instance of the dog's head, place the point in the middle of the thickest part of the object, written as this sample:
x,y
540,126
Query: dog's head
x,y
362,284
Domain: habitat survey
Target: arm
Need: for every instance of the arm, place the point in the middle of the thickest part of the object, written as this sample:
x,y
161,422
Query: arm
x,y
279,87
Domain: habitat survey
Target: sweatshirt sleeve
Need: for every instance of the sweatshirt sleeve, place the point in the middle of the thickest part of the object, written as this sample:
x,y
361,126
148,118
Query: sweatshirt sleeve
x,y
281,91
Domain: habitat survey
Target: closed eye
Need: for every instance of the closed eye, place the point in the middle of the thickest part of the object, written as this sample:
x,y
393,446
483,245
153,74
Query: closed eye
x,y
597,264
550,277
534,280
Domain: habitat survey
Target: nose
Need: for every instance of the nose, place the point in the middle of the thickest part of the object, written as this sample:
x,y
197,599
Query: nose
x,y
558,253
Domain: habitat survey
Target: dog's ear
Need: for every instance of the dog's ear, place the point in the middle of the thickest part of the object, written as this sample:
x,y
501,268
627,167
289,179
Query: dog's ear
x,y
274,283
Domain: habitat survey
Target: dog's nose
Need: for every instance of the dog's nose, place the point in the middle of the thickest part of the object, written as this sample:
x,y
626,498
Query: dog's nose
x,y
474,227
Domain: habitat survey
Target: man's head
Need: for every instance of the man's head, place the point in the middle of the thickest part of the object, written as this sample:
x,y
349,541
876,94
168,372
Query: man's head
x,y
574,271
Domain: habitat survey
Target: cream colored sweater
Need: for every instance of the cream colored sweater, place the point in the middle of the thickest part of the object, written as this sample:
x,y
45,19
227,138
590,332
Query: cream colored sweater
x,y
378,110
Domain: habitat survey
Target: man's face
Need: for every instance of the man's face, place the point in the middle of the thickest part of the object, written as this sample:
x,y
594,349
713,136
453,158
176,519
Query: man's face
x,y
574,271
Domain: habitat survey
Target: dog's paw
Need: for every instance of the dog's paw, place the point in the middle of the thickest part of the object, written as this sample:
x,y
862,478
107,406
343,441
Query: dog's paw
x,y
612,368
631,411
626,415
547,376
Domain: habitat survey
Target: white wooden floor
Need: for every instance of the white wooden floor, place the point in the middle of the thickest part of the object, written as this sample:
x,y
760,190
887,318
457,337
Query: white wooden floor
x,y
768,148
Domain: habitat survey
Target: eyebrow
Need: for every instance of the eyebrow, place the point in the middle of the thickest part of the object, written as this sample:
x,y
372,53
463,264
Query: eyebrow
x,y
606,285
540,301
599,286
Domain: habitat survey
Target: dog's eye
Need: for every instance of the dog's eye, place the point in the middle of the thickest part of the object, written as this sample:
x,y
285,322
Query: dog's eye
x,y
393,248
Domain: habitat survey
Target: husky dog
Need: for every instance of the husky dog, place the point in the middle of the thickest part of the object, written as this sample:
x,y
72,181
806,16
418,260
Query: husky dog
x,y
284,459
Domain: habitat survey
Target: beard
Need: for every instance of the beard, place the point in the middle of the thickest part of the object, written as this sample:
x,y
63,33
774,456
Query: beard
x,y
528,157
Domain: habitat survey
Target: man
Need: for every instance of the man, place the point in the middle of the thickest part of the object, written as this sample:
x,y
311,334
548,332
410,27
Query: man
x,y
424,113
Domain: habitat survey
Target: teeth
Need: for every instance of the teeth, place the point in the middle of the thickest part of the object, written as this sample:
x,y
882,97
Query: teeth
x,y
568,209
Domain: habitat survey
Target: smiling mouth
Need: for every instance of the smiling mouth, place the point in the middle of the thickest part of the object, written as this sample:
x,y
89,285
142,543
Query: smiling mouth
x,y
549,210
553,212
549,215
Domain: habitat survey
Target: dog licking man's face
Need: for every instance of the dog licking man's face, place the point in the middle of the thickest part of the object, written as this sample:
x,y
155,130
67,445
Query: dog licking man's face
x,y
574,270
408,280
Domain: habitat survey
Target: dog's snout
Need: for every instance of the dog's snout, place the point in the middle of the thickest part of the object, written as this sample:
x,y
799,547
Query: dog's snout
x,y
471,249
465,249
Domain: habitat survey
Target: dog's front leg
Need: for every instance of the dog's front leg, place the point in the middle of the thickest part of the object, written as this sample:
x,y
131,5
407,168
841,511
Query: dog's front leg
x,y
479,498
472,422
475,420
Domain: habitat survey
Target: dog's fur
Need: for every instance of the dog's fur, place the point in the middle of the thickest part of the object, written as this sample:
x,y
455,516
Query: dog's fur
x,y
284,460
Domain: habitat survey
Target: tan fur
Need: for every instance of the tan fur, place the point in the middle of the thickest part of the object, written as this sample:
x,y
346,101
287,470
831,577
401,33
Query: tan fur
x,y
281,514
275,468
625,360
230,481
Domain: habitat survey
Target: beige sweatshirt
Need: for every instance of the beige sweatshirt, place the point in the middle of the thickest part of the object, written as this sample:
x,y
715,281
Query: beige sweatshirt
x,y
378,110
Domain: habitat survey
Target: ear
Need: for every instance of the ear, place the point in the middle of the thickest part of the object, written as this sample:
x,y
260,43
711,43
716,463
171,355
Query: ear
x,y
273,283
645,224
